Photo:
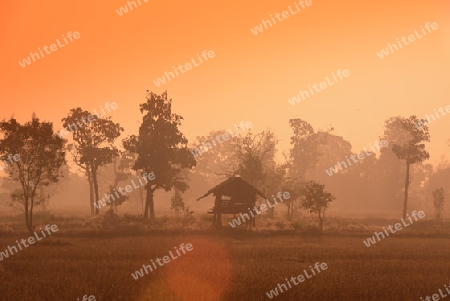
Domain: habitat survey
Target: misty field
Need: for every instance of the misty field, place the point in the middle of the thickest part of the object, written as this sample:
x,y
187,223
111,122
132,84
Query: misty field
x,y
225,267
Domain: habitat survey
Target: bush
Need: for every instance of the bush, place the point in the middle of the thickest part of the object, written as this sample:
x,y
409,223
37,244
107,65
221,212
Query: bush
x,y
297,225
5,228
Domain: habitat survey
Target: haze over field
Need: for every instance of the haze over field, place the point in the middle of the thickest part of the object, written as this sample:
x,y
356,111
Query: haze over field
x,y
294,133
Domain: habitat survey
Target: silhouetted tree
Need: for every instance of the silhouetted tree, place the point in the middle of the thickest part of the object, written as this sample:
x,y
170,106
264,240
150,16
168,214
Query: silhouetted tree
x,y
438,202
41,156
437,178
255,153
161,148
316,200
303,153
256,162
312,153
93,144
177,203
386,179
407,144
290,203
219,160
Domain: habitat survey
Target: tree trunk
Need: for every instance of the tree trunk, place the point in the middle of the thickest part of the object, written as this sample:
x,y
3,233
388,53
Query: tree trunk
x,y
152,208
30,220
288,211
27,219
149,208
94,180
272,212
91,197
405,202
321,221
91,189
141,197
146,207
29,225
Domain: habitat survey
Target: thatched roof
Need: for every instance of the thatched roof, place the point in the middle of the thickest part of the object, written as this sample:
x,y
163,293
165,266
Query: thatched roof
x,y
231,184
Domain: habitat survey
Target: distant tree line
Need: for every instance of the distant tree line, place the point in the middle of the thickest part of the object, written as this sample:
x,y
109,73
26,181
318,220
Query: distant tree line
x,y
161,148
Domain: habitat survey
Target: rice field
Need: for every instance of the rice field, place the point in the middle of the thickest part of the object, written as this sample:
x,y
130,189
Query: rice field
x,y
224,266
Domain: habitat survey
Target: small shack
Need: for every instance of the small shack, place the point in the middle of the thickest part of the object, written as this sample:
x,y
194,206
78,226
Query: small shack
x,y
233,196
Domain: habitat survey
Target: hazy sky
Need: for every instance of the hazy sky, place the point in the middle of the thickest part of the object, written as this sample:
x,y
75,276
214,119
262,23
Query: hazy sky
x,y
251,76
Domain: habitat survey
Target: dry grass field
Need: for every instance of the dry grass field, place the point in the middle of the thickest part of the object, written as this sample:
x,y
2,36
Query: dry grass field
x,y
224,267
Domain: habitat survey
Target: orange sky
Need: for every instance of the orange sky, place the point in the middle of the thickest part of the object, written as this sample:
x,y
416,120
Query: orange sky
x,y
251,76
